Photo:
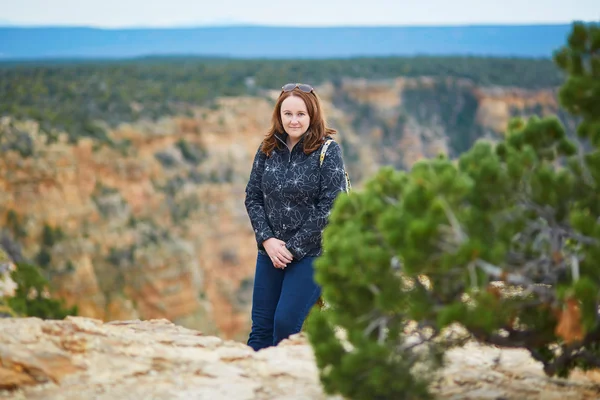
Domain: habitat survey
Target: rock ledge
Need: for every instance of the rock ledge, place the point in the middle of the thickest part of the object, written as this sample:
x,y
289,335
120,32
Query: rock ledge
x,y
82,358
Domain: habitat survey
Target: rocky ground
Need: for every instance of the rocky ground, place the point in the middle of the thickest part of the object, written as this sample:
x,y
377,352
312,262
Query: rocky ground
x,y
82,358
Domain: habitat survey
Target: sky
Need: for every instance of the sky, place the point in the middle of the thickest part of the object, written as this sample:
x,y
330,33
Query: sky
x,y
170,13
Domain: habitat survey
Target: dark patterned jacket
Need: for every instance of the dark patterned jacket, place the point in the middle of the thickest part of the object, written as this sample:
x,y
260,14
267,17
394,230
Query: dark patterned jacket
x,y
289,196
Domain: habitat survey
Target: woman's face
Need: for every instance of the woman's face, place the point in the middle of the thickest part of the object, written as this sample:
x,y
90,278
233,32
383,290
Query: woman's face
x,y
294,117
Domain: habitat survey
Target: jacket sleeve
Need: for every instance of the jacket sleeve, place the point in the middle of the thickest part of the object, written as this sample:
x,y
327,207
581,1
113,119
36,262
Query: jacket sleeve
x,y
332,182
255,200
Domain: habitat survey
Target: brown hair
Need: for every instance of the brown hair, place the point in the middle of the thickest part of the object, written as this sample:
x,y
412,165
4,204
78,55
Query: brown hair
x,y
316,131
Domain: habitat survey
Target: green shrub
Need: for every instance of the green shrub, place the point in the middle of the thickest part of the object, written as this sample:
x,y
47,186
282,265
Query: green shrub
x,y
192,153
51,235
29,299
15,223
503,245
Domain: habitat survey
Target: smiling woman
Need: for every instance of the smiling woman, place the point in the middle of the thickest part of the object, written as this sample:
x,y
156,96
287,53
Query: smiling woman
x,y
294,118
288,198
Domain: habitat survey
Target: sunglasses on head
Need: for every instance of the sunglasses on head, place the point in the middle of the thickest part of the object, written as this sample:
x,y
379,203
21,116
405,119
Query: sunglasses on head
x,y
288,87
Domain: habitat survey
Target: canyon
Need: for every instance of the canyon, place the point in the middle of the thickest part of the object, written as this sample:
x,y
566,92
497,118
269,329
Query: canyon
x,y
153,225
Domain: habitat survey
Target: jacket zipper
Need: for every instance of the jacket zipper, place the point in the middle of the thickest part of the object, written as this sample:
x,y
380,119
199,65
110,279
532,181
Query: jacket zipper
x,y
289,150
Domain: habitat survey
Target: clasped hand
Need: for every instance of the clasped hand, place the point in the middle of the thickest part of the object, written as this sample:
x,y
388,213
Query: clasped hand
x,y
279,254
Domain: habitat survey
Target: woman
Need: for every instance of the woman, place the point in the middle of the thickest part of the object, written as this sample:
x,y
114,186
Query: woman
x,y
288,198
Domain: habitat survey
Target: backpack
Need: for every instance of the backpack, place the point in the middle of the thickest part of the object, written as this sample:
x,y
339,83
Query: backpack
x,y
323,151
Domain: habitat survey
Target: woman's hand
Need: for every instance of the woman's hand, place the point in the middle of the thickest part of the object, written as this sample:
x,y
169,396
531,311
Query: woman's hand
x,y
279,254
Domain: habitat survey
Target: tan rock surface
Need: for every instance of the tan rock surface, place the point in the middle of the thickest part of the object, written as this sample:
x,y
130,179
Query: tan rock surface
x,y
81,358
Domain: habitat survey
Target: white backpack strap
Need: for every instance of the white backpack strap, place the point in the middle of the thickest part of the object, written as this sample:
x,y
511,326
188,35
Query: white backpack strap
x,y
324,150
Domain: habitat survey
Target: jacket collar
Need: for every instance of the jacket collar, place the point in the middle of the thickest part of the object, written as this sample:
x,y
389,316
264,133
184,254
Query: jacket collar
x,y
283,136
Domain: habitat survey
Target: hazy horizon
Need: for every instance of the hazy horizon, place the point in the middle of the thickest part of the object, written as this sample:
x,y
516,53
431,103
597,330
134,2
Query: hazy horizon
x,y
120,14
225,24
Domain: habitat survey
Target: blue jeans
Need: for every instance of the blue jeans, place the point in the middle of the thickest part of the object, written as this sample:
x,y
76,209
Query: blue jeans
x,y
281,300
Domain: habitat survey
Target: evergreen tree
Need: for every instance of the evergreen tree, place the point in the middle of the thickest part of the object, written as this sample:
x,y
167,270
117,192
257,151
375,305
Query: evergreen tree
x,y
501,246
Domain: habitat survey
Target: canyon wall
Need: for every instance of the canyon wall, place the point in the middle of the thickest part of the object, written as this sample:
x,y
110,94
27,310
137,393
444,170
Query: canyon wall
x,y
153,224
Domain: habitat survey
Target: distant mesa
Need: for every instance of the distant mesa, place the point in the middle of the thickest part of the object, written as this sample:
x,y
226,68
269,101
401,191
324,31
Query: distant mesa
x,y
231,38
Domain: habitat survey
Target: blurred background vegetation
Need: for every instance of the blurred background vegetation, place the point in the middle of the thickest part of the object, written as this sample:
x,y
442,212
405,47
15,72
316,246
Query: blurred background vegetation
x,y
74,96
